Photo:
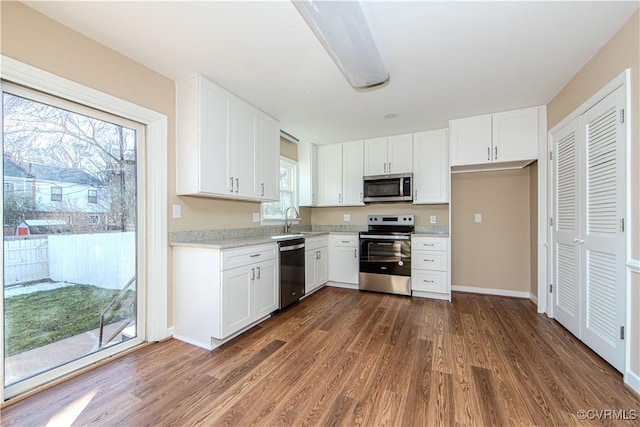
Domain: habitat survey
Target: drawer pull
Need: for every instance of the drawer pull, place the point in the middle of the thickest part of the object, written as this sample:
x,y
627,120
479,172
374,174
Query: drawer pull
x,y
428,281
427,244
344,241
429,260
255,255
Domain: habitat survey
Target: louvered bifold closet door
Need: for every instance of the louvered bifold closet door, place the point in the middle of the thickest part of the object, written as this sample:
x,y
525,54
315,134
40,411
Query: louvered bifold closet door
x,y
602,238
566,250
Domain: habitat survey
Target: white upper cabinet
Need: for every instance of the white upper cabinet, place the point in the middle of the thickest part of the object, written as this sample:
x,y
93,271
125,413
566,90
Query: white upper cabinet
x,y
431,172
224,147
471,140
308,174
511,136
330,175
352,182
393,154
515,135
269,158
340,174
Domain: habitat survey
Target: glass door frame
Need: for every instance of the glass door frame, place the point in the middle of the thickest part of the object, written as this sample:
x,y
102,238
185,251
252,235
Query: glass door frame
x,y
152,222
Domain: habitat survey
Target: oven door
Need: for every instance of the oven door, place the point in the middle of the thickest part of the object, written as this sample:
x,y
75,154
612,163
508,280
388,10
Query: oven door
x,y
385,254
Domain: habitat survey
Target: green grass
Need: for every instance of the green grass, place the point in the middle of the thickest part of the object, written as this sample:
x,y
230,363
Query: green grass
x,y
34,320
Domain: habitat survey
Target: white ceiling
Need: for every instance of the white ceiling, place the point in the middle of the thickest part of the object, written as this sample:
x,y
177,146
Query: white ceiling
x,y
446,59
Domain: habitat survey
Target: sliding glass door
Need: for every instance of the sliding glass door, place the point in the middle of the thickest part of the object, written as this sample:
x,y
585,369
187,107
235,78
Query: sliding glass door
x,y
71,265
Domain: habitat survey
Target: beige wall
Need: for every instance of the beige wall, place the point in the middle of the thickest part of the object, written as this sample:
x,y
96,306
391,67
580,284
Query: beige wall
x,y
334,216
621,52
495,253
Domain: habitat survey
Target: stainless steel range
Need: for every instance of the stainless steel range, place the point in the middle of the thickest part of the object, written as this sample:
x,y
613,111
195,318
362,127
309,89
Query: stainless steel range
x,y
385,254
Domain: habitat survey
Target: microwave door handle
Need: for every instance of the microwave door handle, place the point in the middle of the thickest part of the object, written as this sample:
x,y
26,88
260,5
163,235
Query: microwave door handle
x,y
401,187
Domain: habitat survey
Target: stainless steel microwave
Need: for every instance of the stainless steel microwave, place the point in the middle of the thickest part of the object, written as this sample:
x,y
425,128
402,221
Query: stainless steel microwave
x,y
388,188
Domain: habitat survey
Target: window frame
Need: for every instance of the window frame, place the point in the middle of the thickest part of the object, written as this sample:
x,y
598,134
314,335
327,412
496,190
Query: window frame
x,y
56,193
92,198
295,190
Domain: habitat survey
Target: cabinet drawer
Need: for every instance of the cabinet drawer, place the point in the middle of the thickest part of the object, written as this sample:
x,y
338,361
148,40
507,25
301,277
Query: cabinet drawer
x,y
428,260
429,281
233,258
344,240
429,243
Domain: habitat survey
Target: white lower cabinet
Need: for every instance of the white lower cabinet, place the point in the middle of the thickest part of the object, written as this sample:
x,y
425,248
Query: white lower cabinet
x,y
218,293
344,262
316,265
430,267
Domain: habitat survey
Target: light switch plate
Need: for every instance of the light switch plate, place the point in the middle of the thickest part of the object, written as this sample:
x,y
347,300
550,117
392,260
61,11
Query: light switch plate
x,y
256,217
478,217
177,211
346,217
432,219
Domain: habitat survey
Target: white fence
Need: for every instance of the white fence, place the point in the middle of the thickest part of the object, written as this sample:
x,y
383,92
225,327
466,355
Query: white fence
x,y
25,260
107,260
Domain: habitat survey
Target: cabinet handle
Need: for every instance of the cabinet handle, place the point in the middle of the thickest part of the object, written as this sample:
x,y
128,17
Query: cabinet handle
x,y
575,240
361,199
262,193
255,255
488,153
231,188
389,167
237,184
355,253
496,154
344,241
385,167
427,244
428,260
415,194
253,274
340,198
258,273
581,241
428,281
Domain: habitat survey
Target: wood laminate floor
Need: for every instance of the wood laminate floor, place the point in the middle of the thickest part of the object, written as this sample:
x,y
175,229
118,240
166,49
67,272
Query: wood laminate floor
x,y
344,357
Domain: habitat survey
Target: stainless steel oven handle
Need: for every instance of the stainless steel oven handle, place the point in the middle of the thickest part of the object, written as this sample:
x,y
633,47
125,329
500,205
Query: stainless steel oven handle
x,y
381,237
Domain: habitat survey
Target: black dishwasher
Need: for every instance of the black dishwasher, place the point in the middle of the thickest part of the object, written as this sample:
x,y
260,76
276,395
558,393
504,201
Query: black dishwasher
x,y
291,271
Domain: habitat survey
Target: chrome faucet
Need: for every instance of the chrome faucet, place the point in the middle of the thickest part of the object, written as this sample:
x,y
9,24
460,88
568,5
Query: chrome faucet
x,y
287,224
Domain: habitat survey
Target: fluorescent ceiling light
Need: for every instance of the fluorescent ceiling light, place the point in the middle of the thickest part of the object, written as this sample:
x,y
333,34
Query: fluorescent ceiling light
x,y
344,32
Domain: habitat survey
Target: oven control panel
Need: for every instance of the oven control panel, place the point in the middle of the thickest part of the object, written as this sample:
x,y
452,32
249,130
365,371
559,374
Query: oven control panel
x,y
389,220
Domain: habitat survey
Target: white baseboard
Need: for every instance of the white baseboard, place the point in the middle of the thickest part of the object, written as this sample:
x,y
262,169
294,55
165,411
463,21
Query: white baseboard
x,y
534,299
489,291
633,381
343,285
170,332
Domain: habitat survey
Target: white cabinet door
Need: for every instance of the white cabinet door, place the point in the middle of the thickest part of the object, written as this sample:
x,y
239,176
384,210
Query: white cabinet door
x,y
310,268
352,174
400,154
236,300
245,150
322,271
375,156
431,174
330,175
344,266
308,174
202,138
269,159
515,135
265,289
471,140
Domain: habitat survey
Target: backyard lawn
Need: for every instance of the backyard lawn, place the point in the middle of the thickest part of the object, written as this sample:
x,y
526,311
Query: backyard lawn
x,y
40,318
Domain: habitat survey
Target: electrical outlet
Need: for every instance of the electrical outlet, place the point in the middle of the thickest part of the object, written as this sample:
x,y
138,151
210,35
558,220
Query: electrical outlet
x,y
256,217
177,211
346,217
432,219
478,218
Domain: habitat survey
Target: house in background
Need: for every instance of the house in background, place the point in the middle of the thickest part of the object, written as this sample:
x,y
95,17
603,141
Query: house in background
x,y
70,198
